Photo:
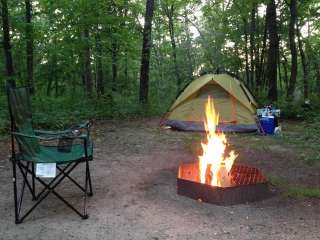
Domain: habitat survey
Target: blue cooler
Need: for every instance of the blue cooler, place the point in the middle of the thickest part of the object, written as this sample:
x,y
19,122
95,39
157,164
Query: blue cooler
x,y
268,124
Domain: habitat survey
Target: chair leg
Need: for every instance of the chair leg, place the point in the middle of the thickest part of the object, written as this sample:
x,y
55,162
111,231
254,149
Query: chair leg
x,y
85,214
24,183
90,194
49,188
15,195
33,182
76,183
25,176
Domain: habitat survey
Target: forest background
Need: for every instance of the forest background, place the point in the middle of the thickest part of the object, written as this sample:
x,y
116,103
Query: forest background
x,y
101,59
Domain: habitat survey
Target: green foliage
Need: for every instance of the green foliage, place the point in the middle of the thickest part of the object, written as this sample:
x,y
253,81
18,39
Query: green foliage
x,y
209,35
290,109
293,109
58,113
300,109
64,111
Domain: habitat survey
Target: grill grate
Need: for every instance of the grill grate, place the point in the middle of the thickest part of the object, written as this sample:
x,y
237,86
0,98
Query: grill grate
x,y
248,185
243,175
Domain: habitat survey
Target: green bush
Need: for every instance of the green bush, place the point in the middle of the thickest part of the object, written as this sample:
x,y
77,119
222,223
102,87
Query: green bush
x,y
63,111
305,110
293,109
290,109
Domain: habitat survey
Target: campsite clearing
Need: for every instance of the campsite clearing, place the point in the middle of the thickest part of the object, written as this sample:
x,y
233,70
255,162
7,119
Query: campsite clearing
x,y
134,176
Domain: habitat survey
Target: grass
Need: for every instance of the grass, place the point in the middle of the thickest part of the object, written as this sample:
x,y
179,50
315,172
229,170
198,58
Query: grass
x,y
294,190
298,136
304,139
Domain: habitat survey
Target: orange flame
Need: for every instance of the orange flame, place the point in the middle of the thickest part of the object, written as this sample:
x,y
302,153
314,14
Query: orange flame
x,y
214,165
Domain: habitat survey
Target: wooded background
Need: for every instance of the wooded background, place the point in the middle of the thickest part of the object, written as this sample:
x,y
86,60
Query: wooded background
x,y
103,58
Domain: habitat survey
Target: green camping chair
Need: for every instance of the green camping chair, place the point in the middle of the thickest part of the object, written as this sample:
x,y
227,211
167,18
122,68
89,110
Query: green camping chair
x,y
30,147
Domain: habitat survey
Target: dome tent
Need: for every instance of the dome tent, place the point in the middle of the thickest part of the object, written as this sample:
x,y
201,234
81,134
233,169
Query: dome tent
x,y
233,101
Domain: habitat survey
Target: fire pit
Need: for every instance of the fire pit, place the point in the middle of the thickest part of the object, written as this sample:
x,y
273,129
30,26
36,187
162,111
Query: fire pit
x,y
247,185
214,178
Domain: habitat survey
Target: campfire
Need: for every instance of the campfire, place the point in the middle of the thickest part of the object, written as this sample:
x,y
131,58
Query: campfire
x,y
215,163
214,178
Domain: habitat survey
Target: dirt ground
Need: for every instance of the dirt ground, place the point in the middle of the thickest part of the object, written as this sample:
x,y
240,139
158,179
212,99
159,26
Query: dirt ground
x,y
134,176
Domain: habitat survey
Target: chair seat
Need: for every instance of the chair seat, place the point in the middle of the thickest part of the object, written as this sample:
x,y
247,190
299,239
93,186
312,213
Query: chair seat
x,y
51,154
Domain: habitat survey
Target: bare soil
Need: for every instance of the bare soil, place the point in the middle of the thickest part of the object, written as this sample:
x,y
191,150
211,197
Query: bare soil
x,y
134,175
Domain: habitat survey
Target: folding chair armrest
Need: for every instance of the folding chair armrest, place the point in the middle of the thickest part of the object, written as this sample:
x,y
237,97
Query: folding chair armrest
x,y
34,136
39,132
54,137
85,125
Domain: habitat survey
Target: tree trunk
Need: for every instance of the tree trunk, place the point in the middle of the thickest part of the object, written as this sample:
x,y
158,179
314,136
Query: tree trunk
x,y
126,60
87,67
285,69
304,67
52,56
260,63
169,13
273,50
49,86
81,61
52,71
317,67
246,53
238,66
293,48
279,71
100,86
114,60
126,67
189,46
29,45
252,45
6,43
146,51
159,57
159,60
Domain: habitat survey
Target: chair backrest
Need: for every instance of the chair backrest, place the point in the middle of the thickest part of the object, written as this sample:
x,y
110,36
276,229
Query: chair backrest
x,y
19,104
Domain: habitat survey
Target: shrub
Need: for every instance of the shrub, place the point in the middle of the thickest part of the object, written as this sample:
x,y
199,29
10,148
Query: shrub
x,y
63,111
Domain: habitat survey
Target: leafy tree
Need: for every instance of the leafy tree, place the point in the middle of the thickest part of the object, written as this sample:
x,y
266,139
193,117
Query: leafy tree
x,y
109,55
146,50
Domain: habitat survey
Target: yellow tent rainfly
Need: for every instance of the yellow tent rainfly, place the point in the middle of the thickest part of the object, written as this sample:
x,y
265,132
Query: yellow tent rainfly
x,y
233,101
